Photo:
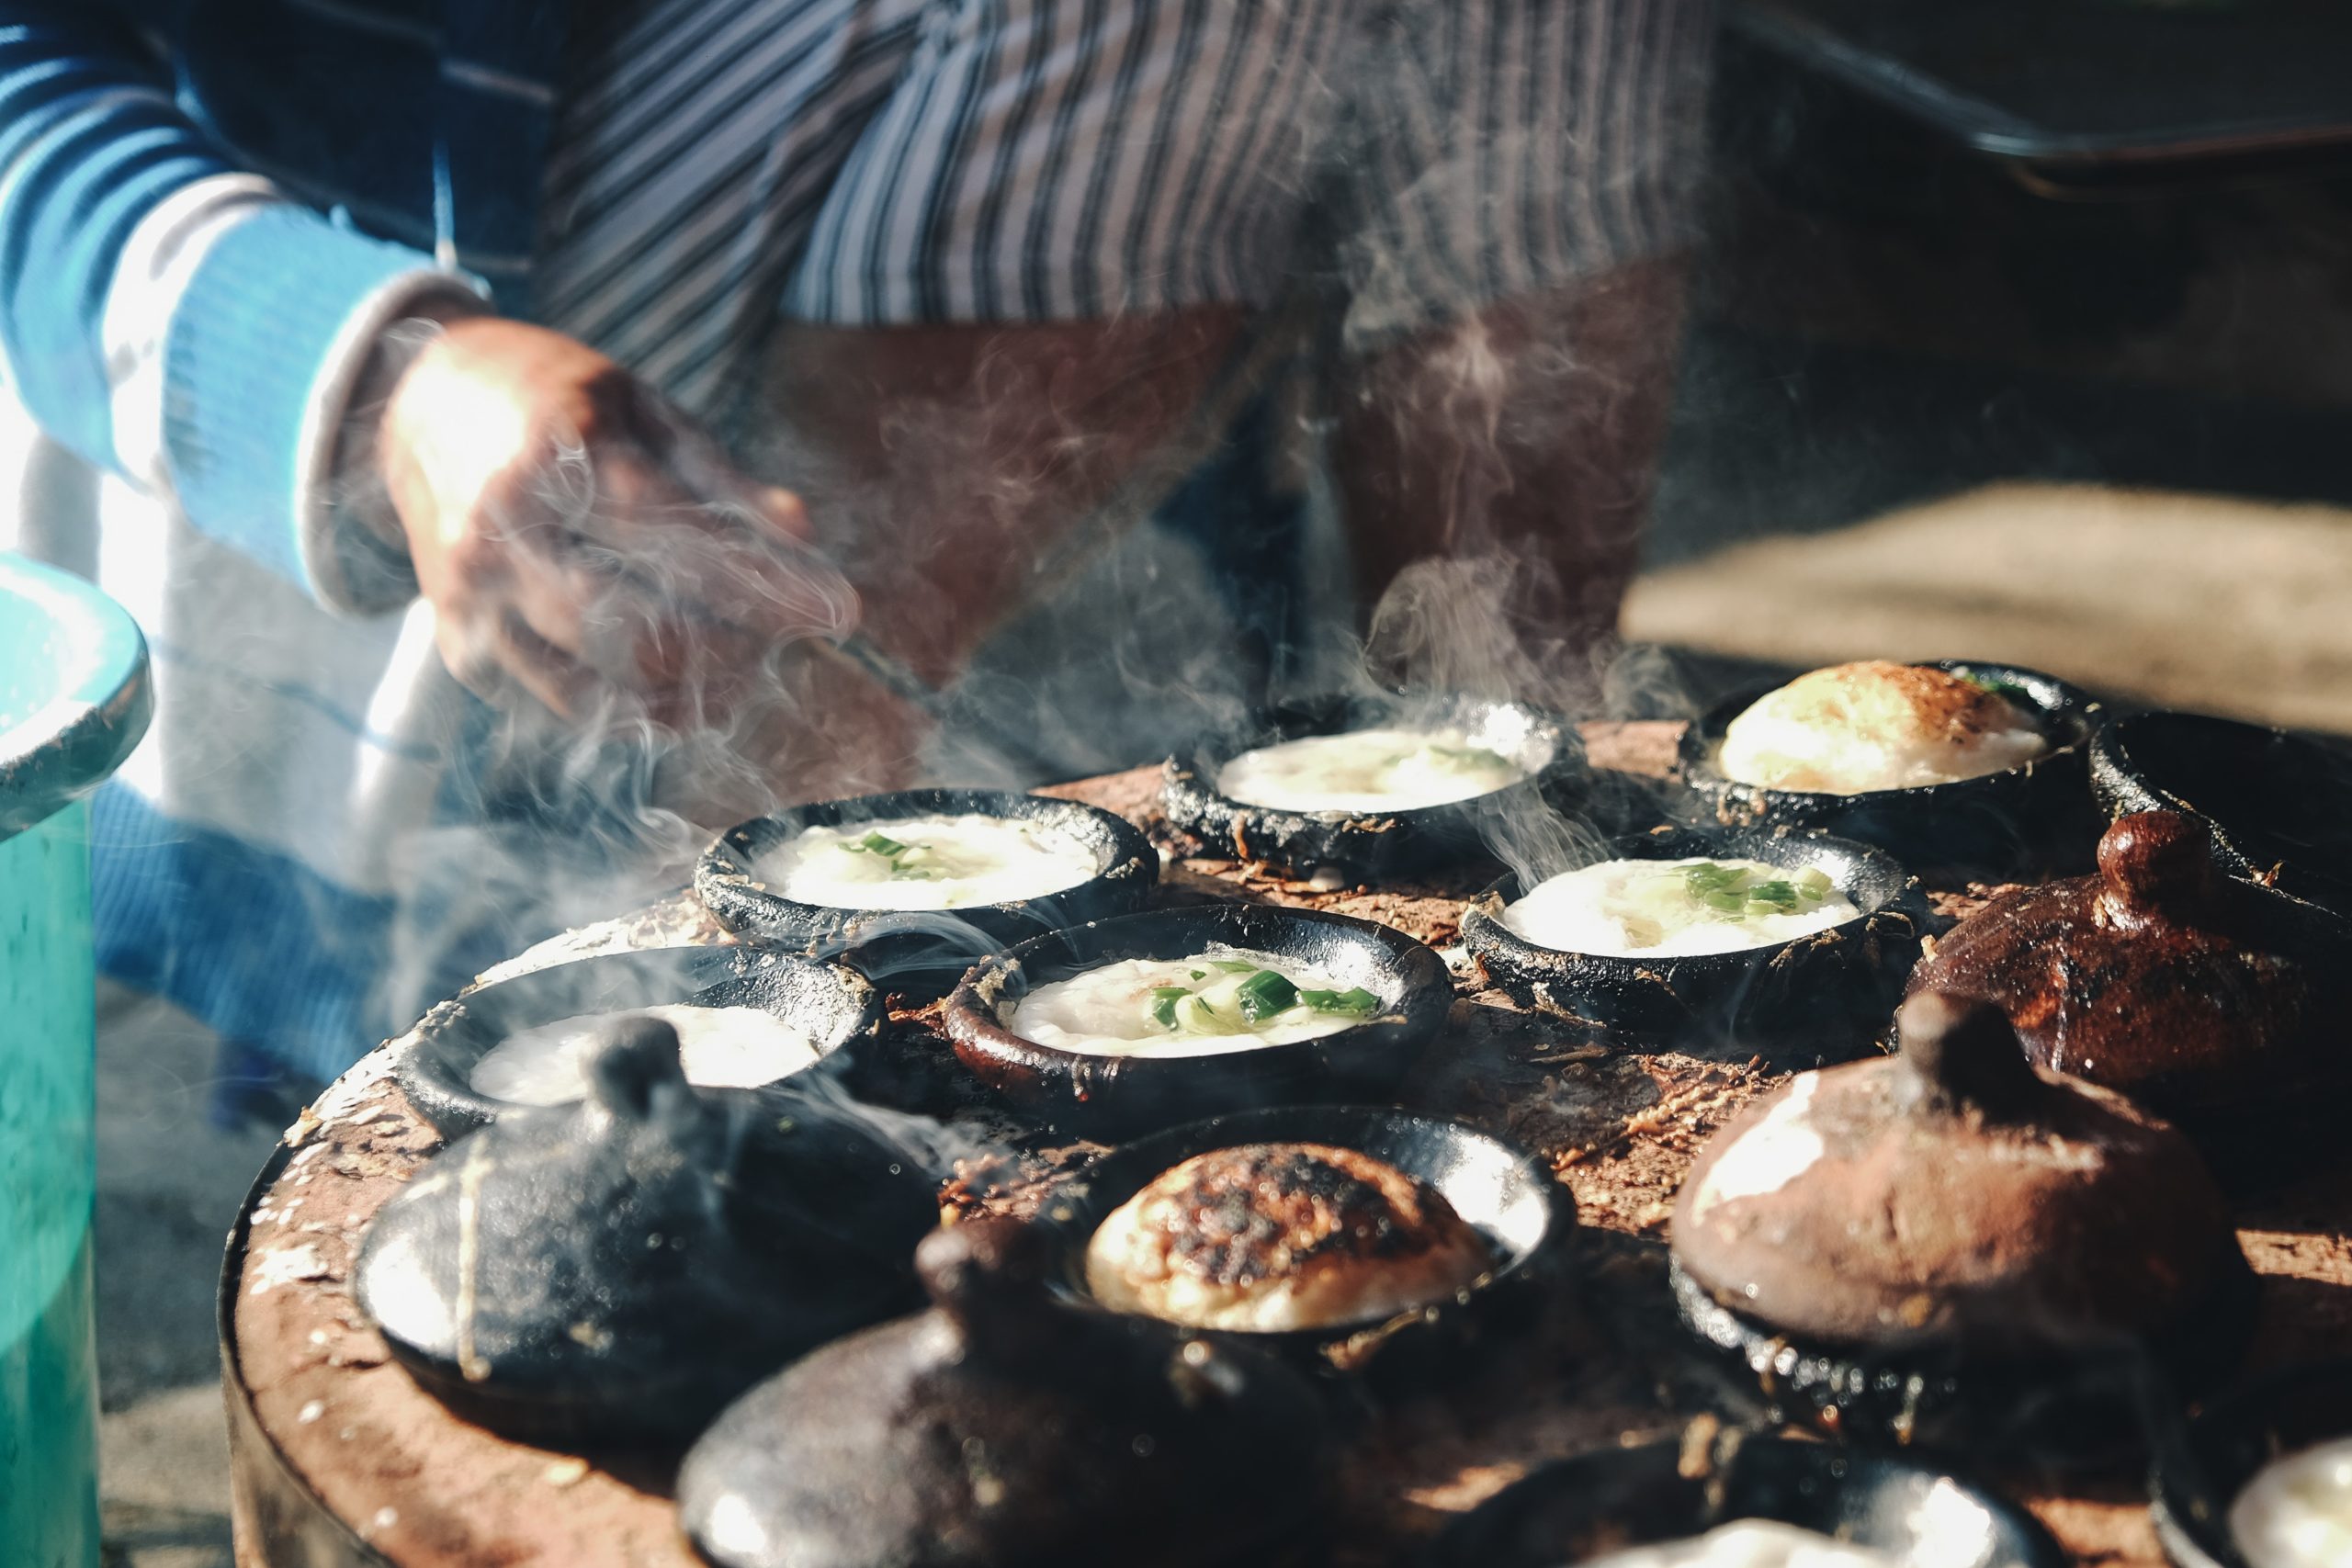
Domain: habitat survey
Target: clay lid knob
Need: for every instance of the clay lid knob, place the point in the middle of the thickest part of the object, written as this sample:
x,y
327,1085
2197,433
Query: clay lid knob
x,y
988,1278
1963,1054
634,1058
2154,861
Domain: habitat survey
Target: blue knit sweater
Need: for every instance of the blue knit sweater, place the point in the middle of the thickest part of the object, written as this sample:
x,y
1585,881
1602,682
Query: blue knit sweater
x,y
397,126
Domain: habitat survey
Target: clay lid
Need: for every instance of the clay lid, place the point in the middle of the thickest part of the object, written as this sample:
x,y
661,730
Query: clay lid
x,y
1003,1426
2159,977
628,1264
1953,1191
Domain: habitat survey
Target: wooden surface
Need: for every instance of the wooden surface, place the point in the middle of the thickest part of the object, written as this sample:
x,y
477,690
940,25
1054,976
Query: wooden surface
x,y
1605,1363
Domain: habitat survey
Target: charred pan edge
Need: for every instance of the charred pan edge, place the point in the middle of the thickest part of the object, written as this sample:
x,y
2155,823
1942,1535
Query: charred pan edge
x,y
2130,771
2059,1410
884,941
1115,1095
1613,1498
1827,993
2201,1466
435,1064
1998,823
1365,848
1505,1192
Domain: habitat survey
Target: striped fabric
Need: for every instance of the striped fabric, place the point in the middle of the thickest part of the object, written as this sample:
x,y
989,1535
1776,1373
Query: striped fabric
x,y
208,207
882,162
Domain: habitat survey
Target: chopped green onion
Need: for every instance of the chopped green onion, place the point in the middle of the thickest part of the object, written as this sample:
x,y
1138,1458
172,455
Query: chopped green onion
x,y
1199,1015
1199,974
1762,907
1476,756
1814,882
1233,965
2007,691
877,844
1354,999
1163,1004
1708,877
1722,898
1265,993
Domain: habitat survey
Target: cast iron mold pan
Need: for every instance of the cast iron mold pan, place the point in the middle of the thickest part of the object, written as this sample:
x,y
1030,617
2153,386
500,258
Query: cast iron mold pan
x,y
2034,816
1614,1498
1504,1193
1826,994
1001,1428
2278,805
922,950
1118,1095
837,1005
622,1267
2202,1464
1372,846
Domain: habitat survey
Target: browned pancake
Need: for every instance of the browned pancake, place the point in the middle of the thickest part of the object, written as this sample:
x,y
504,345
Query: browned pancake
x,y
1282,1236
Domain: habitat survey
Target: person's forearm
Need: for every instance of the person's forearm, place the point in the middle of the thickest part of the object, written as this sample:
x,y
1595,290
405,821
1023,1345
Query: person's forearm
x,y
943,467
172,319
1529,433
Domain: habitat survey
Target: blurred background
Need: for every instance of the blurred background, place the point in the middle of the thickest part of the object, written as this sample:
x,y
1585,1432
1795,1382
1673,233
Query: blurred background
x,y
2022,330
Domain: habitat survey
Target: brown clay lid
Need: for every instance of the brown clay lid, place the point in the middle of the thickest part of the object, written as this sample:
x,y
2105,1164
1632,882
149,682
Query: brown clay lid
x,y
1004,1427
2185,989
1954,1192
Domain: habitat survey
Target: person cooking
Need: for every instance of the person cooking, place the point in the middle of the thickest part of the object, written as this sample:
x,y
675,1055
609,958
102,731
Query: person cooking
x,y
703,384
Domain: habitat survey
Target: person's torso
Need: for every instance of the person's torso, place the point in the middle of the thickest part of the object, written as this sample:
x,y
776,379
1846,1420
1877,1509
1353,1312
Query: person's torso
x,y
425,122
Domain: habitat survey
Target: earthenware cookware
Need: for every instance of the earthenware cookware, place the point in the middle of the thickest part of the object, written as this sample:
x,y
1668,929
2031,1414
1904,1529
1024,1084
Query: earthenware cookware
x,y
2020,820
1119,1095
1002,1427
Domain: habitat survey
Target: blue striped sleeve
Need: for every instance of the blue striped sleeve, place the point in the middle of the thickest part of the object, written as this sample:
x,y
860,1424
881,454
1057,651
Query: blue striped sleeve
x,y
262,338
88,141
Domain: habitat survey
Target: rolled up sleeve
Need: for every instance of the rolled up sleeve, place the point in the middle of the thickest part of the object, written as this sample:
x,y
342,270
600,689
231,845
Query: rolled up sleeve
x,y
170,319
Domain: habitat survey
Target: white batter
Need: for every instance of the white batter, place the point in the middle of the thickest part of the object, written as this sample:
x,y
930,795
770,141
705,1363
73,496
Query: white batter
x,y
1370,769
2297,1511
1665,908
1752,1544
1189,1007
927,862
719,1047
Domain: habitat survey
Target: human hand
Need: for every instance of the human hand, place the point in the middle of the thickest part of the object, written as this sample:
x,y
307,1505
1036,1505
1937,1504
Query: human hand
x,y
582,542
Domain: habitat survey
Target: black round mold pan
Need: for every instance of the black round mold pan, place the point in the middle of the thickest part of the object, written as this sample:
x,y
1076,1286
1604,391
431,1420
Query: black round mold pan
x,y
1115,1096
2203,1465
1584,1508
2036,817
923,950
2086,1409
1505,1192
2278,805
838,1006
1368,847
1826,995
619,1271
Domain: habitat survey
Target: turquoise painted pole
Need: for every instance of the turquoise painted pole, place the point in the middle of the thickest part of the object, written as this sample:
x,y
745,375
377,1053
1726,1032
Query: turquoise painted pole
x,y
73,701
